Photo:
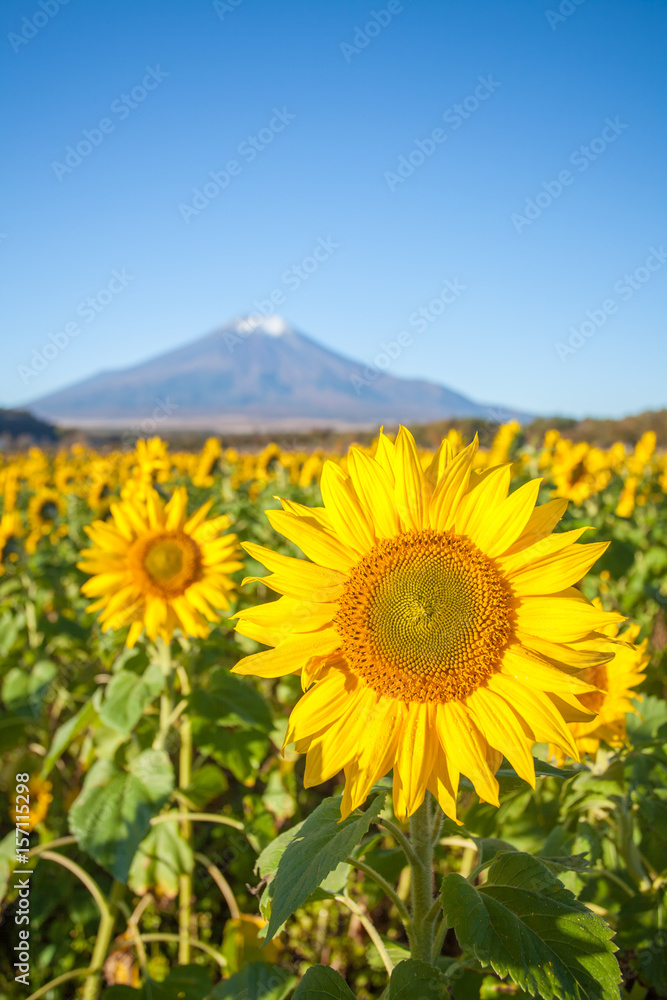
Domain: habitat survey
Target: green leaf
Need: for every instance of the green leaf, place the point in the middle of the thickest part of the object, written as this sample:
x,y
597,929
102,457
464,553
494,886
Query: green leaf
x,y
112,814
569,863
277,798
10,627
231,701
641,930
268,860
489,847
185,982
650,723
23,692
12,732
413,980
509,780
524,923
397,953
161,857
207,783
64,735
323,983
321,844
127,696
8,847
240,751
256,981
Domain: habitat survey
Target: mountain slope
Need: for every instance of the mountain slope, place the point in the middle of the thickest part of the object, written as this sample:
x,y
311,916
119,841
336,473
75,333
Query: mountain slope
x,y
260,370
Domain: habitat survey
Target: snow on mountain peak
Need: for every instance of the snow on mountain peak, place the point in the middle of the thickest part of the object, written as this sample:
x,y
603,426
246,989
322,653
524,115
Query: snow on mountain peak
x,y
273,325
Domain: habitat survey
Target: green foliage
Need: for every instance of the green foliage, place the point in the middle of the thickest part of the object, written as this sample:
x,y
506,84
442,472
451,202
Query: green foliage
x,y
186,982
162,856
89,715
526,925
127,697
414,980
320,845
323,983
256,981
112,815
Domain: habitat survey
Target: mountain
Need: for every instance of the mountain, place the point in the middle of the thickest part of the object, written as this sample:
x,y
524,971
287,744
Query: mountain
x,y
250,374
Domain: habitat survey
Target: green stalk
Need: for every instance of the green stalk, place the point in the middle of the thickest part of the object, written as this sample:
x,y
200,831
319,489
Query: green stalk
x,y
163,650
421,839
184,775
93,984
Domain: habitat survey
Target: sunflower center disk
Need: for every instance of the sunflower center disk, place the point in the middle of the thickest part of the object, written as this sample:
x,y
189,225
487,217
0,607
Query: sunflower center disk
x,y
165,563
425,617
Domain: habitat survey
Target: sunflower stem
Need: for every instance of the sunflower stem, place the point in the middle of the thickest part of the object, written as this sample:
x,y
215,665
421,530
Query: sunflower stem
x,y
163,650
386,888
184,777
400,839
421,839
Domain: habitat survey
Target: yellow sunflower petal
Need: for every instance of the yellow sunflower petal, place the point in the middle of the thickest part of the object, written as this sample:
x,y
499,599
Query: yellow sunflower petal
x,y
540,524
198,517
480,501
556,572
321,705
375,491
290,656
296,577
435,470
443,782
561,619
508,519
451,488
348,519
464,744
514,562
415,758
497,719
574,656
376,756
385,456
323,548
412,490
531,670
535,711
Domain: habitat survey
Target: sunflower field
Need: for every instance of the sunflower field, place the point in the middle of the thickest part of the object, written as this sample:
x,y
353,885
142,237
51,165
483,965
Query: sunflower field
x,y
382,722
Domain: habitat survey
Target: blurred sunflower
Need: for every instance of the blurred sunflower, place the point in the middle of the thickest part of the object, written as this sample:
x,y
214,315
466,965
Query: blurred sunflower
x,y
11,529
436,628
39,794
44,509
614,681
242,944
154,568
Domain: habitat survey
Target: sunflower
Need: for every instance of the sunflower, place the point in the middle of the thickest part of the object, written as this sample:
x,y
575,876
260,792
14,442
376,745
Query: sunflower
x,y
11,529
436,628
154,568
44,509
614,681
40,798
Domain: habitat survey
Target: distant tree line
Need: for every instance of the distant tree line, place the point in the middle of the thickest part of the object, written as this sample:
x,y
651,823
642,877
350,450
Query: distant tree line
x,y
19,426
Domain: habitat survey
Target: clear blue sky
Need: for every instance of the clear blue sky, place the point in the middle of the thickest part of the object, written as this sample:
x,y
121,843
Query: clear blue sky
x,y
330,173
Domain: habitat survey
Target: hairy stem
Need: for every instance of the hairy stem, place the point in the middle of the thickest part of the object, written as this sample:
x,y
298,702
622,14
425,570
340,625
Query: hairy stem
x,y
421,826
384,885
400,838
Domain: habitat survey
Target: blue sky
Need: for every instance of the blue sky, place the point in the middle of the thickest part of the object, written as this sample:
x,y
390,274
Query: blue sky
x,y
318,104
